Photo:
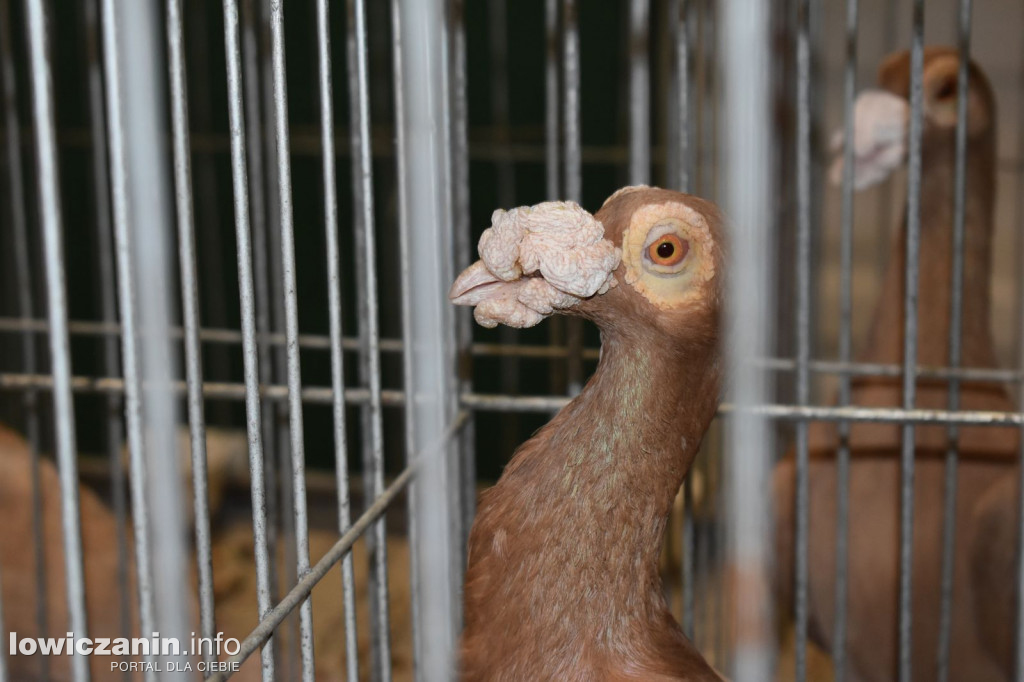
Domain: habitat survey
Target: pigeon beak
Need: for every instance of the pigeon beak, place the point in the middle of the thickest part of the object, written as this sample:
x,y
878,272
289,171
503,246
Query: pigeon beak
x,y
879,139
474,285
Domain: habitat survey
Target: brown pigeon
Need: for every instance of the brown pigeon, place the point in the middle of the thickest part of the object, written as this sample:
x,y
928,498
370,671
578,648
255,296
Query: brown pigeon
x,y
562,580
986,454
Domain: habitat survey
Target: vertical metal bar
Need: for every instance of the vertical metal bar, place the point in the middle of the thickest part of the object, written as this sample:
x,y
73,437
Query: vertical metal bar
x,y
323,26
298,450
364,188
889,31
682,18
128,309
506,181
684,163
258,196
362,298
141,212
108,295
573,164
53,251
551,99
910,341
746,143
431,394
955,336
248,316
498,43
21,262
147,229
211,245
408,375
463,246
639,93
670,64
552,169
803,328
23,274
845,345
280,492
190,318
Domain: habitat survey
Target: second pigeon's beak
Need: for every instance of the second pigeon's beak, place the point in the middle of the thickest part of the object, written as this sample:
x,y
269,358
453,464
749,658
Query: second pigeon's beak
x,y
474,285
879,139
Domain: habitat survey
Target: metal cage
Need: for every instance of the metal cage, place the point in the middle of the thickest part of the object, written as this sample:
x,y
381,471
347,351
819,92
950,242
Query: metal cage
x,y
202,258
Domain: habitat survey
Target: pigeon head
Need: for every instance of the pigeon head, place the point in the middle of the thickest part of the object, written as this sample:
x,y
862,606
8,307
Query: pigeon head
x,y
881,116
650,259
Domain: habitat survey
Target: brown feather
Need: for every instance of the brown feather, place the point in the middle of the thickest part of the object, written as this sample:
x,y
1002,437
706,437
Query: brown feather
x,y
562,580
986,454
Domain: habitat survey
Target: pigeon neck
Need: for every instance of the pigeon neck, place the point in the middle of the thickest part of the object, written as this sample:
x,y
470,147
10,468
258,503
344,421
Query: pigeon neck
x,y
603,476
938,164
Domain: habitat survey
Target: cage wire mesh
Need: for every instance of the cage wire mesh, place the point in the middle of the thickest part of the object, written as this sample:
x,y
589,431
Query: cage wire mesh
x,y
230,372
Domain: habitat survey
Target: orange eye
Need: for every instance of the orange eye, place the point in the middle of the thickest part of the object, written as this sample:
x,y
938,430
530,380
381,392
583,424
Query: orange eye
x,y
668,250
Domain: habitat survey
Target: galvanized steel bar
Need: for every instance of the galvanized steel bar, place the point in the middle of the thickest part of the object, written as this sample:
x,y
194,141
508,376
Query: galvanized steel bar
x,y
487,402
639,93
258,220
552,172
129,310
248,317
190,319
552,169
423,171
680,14
323,35
360,231
280,505
363,186
506,185
910,341
408,378
684,109
22,268
393,345
430,456
298,450
412,496
212,390
108,296
845,346
463,242
573,164
53,252
21,265
744,34
301,591
803,330
143,223
955,337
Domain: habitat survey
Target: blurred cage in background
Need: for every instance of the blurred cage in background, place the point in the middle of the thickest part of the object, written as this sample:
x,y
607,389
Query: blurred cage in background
x,y
192,286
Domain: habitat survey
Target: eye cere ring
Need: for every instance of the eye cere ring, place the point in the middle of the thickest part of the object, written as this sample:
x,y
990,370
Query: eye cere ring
x,y
668,250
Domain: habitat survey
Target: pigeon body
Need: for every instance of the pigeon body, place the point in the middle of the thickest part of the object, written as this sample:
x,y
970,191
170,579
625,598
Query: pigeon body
x,y
986,454
562,580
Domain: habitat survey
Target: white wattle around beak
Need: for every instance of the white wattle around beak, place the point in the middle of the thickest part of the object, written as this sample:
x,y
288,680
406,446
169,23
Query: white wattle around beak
x,y
535,261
